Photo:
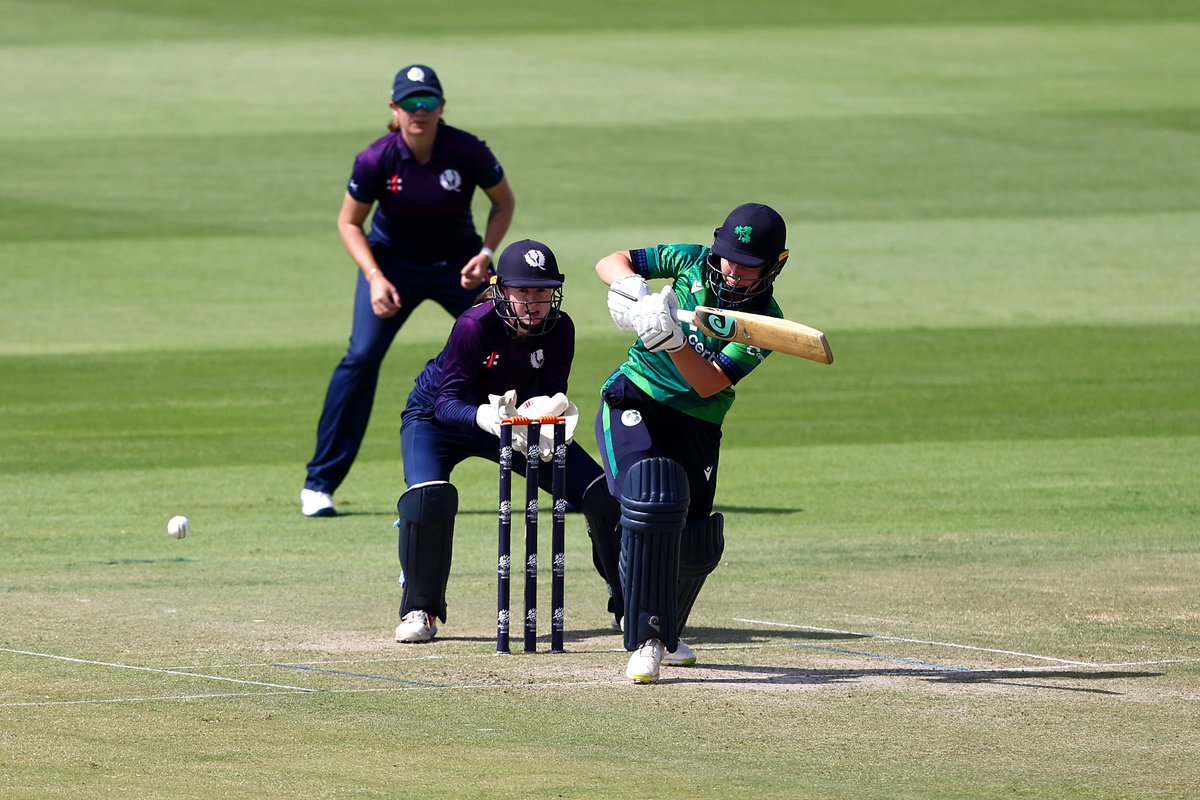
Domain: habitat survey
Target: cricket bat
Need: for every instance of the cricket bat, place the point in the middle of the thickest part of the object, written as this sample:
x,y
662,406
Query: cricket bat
x,y
759,330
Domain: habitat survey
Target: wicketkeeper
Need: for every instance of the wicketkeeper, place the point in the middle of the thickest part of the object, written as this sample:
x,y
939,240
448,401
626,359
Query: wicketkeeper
x,y
509,355
659,423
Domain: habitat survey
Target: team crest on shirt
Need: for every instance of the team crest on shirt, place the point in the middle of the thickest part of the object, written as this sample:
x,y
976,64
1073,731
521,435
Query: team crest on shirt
x,y
450,180
393,184
537,358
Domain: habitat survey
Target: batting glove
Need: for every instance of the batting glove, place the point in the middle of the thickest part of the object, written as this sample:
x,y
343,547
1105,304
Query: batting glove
x,y
623,295
655,323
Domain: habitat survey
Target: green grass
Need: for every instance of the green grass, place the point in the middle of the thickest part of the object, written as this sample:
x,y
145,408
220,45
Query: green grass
x,y
961,561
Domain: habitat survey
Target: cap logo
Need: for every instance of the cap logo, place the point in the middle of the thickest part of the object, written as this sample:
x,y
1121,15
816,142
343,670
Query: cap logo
x,y
536,259
416,74
742,232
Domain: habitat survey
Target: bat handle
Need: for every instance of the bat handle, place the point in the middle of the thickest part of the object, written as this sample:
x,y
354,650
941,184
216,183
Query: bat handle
x,y
684,316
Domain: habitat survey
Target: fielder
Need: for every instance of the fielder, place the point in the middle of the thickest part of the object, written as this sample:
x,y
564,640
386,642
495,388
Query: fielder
x,y
515,345
659,423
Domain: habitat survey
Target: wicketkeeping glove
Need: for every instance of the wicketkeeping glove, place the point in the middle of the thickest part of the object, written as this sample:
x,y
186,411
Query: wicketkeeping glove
x,y
623,295
498,407
654,320
542,406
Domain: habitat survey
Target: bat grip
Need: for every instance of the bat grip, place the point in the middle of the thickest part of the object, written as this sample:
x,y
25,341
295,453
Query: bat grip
x,y
684,316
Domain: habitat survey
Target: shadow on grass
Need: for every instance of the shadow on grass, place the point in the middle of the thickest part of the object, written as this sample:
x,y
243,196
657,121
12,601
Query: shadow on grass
x,y
790,676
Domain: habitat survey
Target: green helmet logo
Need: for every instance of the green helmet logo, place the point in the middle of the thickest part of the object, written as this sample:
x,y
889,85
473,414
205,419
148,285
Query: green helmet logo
x,y
742,232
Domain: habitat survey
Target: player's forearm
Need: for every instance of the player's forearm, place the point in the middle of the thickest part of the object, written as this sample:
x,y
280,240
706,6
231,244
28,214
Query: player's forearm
x,y
705,377
614,267
500,216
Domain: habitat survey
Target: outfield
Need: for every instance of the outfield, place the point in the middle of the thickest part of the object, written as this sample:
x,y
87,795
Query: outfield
x,y
962,561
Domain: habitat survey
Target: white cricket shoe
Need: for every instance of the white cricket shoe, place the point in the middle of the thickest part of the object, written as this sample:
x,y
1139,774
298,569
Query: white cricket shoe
x,y
416,627
317,504
681,656
644,662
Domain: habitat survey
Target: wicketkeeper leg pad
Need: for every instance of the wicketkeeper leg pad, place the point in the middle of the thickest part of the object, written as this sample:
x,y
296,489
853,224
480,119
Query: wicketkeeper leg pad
x,y
602,513
426,526
654,503
700,547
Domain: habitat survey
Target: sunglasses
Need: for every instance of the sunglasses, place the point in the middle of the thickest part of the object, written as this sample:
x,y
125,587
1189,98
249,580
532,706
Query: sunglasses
x,y
419,102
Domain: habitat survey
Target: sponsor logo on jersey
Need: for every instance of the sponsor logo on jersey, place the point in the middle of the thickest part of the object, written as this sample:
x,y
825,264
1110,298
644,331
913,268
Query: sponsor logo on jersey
x,y
450,180
631,417
353,185
393,184
537,358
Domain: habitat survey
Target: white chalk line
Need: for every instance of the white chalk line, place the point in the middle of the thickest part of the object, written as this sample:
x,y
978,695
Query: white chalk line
x,y
373,690
155,669
1066,662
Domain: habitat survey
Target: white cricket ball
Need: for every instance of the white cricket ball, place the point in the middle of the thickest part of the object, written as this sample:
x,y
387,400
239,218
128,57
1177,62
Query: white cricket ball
x,y
178,527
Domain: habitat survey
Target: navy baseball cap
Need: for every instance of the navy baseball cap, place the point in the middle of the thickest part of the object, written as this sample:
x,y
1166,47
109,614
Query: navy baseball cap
x,y
753,235
528,263
415,79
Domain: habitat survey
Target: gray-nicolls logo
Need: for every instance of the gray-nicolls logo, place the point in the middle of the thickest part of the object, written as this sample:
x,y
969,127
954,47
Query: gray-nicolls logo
x,y
535,259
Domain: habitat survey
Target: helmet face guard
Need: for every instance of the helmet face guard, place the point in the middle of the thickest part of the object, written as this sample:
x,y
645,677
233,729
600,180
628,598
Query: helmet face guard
x,y
518,324
738,294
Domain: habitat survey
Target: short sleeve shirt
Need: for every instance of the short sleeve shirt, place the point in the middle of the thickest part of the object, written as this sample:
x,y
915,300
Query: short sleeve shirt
x,y
423,211
655,373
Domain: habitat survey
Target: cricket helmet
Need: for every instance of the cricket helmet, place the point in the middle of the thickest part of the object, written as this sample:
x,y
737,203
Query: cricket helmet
x,y
527,264
753,235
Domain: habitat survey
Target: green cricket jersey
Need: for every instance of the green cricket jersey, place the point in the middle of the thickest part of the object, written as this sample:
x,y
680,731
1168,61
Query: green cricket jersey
x,y
654,373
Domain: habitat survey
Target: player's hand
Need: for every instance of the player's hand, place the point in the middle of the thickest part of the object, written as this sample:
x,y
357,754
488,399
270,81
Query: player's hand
x,y
498,407
623,295
556,405
654,320
385,299
474,272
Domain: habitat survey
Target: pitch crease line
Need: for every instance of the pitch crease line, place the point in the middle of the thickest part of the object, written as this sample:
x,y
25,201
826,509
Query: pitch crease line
x,y
918,641
158,670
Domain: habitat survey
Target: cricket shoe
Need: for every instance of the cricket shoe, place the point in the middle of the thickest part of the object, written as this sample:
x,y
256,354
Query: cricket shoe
x,y
645,661
681,656
416,627
317,504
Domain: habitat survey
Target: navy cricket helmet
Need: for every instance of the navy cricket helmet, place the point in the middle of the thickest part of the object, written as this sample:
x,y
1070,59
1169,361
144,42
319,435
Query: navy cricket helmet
x,y
753,235
527,264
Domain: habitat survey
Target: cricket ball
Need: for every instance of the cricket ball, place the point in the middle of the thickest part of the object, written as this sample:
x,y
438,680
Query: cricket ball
x,y
178,527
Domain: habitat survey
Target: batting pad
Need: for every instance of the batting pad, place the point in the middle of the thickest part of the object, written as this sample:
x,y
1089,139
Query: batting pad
x,y
700,549
426,541
654,503
602,513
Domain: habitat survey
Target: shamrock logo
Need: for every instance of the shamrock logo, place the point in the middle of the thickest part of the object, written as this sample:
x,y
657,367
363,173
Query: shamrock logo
x,y
742,232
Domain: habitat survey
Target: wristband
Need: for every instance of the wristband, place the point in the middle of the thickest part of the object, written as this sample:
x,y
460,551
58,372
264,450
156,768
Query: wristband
x,y
487,251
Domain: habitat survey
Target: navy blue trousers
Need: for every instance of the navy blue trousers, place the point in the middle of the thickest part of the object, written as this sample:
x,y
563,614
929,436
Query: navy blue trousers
x,y
432,450
632,426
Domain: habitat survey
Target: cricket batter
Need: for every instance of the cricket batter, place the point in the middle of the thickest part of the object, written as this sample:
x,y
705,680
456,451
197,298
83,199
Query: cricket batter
x,y
509,355
659,423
